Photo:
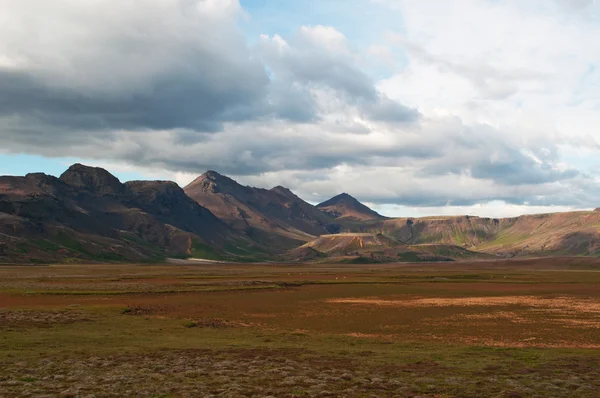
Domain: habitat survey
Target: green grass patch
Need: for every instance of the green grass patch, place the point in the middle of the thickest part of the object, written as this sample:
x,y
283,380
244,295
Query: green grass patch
x,y
66,240
409,257
23,248
243,252
108,256
190,324
46,245
201,250
505,239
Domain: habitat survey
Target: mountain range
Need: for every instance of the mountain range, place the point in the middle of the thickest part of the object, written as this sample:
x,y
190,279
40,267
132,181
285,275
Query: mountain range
x,y
87,214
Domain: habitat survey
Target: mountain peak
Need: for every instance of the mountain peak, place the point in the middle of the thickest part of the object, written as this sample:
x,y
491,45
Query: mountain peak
x,y
341,198
277,215
213,175
211,181
92,178
345,205
283,191
344,195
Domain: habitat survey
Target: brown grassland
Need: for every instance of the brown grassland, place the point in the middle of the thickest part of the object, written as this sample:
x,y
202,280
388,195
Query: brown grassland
x,y
513,328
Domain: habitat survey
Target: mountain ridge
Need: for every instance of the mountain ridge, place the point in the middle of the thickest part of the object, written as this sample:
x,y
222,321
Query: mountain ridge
x,y
88,214
276,216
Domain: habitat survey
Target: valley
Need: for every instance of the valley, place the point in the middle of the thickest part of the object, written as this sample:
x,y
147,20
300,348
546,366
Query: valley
x,y
299,199
493,328
218,289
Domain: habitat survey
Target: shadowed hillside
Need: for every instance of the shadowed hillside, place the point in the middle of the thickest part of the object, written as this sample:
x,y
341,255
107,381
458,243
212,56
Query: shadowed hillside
x,y
275,217
88,214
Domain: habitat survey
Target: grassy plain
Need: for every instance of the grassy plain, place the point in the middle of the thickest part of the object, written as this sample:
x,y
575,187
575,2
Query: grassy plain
x,y
520,328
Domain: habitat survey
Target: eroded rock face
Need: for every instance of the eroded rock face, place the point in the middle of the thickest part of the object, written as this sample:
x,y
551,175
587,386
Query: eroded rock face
x,y
94,179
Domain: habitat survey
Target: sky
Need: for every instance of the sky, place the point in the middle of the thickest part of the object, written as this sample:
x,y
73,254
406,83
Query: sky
x,y
430,107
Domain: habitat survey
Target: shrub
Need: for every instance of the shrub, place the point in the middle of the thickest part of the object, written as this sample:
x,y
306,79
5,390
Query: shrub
x,y
190,324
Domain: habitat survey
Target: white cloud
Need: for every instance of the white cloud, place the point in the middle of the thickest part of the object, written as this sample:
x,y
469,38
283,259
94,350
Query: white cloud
x,y
494,209
503,62
498,97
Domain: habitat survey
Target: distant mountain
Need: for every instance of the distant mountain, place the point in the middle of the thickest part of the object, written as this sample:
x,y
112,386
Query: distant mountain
x,y
276,217
370,247
352,243
88,214
344,206
569,233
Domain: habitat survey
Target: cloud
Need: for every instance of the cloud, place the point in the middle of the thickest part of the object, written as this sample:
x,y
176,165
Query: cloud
x,y
476,109
318,59
166,64
491,82
400,185
87,66
576,4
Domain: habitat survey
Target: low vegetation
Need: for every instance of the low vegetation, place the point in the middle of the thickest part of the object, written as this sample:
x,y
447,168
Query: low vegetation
x,y
525,328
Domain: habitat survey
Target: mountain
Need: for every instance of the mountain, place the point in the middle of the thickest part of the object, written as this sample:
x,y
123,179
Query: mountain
x,y
368,247
569,233
274,217
344,206
352,243
88,214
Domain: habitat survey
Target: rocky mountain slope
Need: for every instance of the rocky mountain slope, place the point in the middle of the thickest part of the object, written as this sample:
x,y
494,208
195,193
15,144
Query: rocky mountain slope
x,y
344,206
274,217
368,247
88,214
570,233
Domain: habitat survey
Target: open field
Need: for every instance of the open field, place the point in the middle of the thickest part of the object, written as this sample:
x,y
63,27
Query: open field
x,y
521,328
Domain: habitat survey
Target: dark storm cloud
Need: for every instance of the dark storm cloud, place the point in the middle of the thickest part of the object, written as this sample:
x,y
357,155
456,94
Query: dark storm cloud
x,y
174,68
187,101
